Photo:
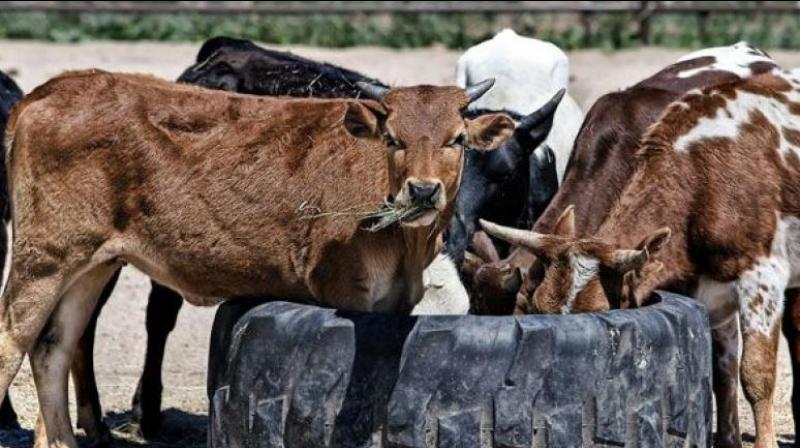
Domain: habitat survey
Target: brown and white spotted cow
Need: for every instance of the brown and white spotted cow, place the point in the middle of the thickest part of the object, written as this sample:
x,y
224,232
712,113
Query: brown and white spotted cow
x,y
602,159
712,210
602,164
202,190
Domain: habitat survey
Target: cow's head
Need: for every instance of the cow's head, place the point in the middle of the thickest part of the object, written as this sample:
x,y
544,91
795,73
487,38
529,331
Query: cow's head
x,y
581,275
222,70
512,183
425,134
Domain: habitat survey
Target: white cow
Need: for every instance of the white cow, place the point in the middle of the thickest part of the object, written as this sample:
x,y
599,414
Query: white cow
x,y
527,73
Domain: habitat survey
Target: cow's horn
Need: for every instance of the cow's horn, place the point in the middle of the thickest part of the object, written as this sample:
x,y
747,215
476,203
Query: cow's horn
x,y
517,237
372,91
476,91
543,113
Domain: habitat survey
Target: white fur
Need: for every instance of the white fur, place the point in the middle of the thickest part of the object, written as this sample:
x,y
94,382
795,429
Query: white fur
x,y
583,270
444,292
734,58
767,279
527,73
727,120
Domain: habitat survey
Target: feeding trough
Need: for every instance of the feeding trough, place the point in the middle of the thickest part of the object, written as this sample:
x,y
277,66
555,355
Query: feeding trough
x,y
290,375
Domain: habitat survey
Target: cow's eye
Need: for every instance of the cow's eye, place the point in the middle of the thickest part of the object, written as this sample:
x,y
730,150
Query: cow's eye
x,y
458,141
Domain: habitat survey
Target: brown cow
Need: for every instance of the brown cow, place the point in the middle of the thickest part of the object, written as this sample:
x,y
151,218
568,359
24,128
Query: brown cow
x,y
601,165
719,174
202,191
602,159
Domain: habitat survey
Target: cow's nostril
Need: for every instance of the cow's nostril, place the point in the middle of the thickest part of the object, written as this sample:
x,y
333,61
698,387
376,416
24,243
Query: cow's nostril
x,y
423,192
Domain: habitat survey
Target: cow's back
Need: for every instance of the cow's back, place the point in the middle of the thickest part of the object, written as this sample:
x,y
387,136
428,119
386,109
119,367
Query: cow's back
x,y
526,71
168,168
603,157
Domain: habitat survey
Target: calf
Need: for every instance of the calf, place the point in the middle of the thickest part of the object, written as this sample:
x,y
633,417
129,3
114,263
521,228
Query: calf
x,y
144,186
238,65
603,158
511,185
712,210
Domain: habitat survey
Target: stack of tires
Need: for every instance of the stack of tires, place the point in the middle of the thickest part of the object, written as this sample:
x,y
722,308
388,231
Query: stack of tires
x,y
298,376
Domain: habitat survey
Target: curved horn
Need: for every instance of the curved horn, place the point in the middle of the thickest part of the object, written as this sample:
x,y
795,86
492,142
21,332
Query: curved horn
x,y
372,91
476,91
517,237
543,113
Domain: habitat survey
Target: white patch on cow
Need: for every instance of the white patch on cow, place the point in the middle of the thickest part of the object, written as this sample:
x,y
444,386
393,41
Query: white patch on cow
x,y
760,289
735,59
720,125
790,226
758,292
727,120
444,292
527,73
583,270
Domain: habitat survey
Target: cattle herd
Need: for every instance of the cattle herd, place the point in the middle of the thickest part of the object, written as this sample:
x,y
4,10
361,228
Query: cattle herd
x,y
506,200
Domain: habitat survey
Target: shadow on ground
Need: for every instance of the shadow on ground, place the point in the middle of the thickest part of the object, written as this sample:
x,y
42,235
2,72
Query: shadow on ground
x,y
179,429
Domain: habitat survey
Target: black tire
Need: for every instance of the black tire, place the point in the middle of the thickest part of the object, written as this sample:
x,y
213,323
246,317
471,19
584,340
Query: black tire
x,y
288,375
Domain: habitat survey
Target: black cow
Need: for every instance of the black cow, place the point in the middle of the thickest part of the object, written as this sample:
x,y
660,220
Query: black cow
x,y
513,184
239,65
10,94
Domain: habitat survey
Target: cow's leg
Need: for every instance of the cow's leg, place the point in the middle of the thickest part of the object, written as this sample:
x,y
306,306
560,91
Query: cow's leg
x,y
791,329
90,415
30,295
53,353
760,291
162,312
721,303
725,340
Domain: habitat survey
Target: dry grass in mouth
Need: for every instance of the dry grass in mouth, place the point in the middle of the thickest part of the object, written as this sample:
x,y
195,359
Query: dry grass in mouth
x,y
388,214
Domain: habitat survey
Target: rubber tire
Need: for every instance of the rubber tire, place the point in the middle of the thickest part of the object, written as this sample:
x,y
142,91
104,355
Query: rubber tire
x,y
298,376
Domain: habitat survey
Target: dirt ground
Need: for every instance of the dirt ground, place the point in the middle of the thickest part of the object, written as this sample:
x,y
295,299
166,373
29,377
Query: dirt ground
x,y
121,333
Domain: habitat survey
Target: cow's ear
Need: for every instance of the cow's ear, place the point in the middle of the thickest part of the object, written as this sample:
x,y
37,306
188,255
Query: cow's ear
x,y
488,132
363,119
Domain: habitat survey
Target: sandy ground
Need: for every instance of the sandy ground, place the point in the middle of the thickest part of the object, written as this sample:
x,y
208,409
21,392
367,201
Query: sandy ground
x,y
121,334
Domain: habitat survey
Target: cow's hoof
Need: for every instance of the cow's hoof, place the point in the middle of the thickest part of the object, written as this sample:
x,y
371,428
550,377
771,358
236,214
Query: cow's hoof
x,y
147,424
97,432
146,414
297,376
150,425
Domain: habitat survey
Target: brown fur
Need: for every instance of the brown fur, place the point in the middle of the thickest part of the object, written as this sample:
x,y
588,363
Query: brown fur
x,y
721,198
602,163
212,208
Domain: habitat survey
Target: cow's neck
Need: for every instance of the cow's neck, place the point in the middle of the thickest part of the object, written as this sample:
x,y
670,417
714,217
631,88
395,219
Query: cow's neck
x,y
658,195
